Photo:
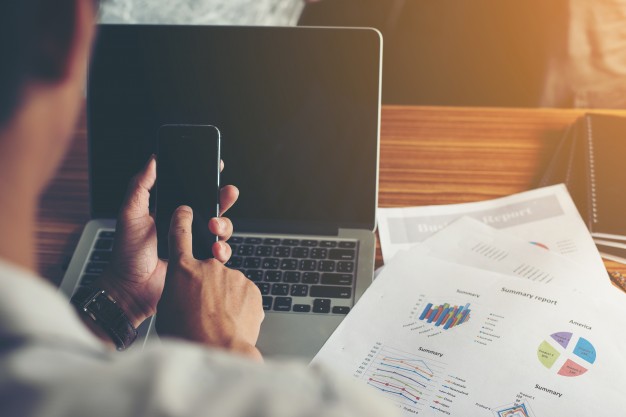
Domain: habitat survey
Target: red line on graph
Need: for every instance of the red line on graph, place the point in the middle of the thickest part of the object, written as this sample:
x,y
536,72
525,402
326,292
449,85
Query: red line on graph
x,y
396,387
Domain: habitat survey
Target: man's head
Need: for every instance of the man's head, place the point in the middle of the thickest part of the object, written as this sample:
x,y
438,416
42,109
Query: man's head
x,y
44,50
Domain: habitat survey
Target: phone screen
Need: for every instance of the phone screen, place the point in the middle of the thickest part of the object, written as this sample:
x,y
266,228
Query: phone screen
x,y
188,170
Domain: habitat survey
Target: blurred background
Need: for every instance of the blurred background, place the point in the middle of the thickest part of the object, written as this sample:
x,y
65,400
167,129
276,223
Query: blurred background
x,y
530,53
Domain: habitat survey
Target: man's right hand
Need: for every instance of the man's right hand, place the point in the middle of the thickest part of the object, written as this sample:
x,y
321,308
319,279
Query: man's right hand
x,y
204,301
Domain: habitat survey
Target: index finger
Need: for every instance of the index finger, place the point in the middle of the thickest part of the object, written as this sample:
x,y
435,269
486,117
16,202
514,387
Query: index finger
x,y
180,240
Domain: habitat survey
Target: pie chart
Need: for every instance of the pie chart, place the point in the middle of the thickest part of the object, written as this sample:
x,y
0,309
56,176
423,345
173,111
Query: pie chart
x,y
567,354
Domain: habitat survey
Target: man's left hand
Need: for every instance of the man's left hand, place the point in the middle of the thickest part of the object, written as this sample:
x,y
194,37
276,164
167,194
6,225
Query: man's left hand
x,y
136,276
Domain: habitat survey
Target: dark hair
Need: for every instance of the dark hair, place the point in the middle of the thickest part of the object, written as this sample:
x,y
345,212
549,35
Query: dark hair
x,y
35,37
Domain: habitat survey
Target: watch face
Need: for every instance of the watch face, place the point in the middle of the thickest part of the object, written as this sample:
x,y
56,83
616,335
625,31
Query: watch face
x,y
104,309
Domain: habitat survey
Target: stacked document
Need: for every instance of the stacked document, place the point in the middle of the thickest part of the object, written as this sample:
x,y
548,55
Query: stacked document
x,y
499,308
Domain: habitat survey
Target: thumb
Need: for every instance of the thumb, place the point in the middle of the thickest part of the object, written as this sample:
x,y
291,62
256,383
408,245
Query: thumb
x,y
138,193
180,242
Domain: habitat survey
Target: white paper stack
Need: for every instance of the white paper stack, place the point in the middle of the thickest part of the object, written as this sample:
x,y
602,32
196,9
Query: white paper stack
x,y
498,308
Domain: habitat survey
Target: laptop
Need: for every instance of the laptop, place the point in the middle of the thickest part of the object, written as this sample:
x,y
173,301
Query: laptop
x,y
299,115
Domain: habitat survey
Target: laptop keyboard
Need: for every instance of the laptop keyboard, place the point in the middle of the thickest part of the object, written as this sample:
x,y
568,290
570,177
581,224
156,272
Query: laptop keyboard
x,y
294,275
99,257
299,275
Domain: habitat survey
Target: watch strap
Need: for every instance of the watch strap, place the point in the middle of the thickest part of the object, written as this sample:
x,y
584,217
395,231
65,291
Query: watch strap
x,y
105,312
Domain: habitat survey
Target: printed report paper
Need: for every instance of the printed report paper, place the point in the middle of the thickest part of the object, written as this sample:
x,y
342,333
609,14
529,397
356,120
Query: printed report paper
x,y
547,217
442,339
469,242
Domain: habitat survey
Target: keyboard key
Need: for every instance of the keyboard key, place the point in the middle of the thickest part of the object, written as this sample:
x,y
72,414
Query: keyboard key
x,y
252,263
270,263
308,265
291,242
88,279
254,275
245,250
326,266
280,289
282,304
253,240
289,264
347,245
282,251
291,276
328,244
300,252
321,305
263,287
267,302
330,292
233,248
345,266
271,241
107,234
234,262
342,254
273,276
311,278
341,310
235,239
319,253
95,267
101,256
263,251
336,279
301,308
308,243
299,290
104,244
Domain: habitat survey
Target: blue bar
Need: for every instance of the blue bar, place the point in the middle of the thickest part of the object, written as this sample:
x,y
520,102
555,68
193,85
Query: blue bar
x,y
443,314
432,316
428,306
465,313
451,319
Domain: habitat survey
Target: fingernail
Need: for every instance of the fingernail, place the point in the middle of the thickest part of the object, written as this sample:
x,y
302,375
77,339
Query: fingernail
x,y
220,223
221,251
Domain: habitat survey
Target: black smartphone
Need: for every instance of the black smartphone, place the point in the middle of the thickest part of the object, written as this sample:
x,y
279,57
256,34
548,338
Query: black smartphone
x,y
188,173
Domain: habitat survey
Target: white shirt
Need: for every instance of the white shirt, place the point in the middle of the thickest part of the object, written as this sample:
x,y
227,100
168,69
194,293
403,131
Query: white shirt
x,y
203,12
52,365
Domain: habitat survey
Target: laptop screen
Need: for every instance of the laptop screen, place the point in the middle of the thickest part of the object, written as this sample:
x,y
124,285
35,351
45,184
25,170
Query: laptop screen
x,y
298,111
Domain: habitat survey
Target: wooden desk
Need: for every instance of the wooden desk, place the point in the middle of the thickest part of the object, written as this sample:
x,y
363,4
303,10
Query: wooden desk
x,y
429,155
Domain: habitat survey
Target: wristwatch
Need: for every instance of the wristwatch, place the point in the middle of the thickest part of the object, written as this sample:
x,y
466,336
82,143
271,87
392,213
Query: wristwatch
x,y
104,311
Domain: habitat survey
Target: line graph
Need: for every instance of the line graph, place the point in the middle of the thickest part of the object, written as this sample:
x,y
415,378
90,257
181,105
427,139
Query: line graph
x,y
407,378
403,384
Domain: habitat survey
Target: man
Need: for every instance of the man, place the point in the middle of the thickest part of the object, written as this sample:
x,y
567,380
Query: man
x,y
587,64
51,364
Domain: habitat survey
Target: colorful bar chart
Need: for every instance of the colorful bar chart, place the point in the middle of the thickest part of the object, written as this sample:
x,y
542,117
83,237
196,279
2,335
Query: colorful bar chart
x,y
446,315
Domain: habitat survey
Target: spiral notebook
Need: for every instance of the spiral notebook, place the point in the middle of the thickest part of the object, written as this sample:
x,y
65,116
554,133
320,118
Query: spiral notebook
x,y
590,160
